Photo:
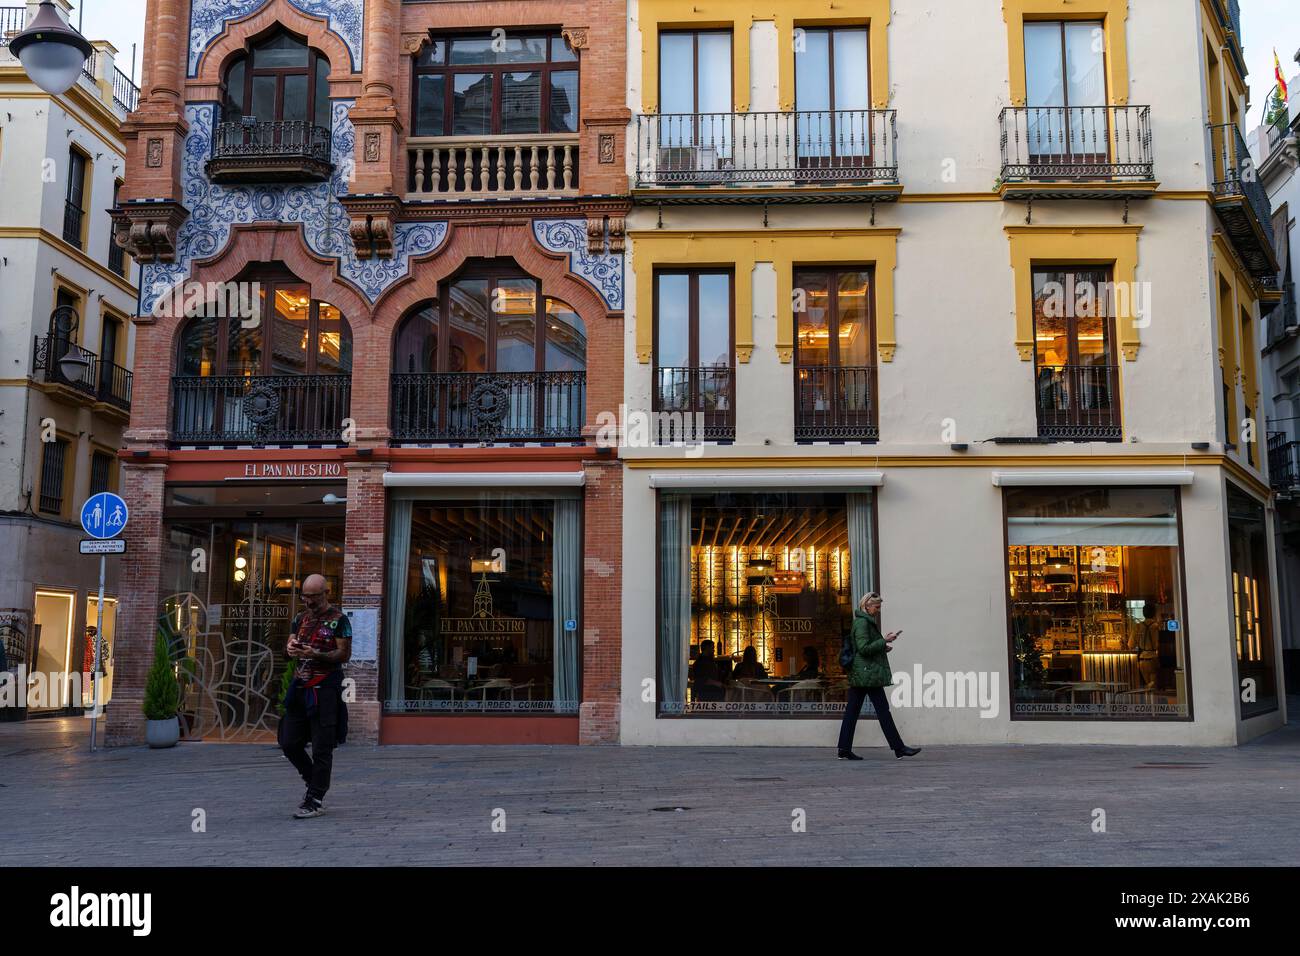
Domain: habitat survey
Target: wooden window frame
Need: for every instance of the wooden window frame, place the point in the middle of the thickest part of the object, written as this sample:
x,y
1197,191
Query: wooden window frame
x,y
498,71
695,35
269,286
493,275
86,183
248,56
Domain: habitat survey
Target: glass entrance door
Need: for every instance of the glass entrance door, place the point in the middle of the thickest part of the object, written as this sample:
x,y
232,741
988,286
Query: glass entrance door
x,y
229,625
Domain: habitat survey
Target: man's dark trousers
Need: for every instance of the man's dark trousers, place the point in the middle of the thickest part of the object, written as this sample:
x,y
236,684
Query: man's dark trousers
x,y
880,701
318,725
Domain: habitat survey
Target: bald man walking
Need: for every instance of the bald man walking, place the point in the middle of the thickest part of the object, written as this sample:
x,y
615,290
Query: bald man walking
x,y
320,639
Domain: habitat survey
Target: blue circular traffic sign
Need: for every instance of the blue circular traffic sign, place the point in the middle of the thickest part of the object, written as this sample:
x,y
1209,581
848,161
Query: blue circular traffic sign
x,y
104,515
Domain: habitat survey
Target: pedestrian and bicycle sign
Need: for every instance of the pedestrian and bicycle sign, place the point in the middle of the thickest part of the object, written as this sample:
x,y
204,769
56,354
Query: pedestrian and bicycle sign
x,y
104,516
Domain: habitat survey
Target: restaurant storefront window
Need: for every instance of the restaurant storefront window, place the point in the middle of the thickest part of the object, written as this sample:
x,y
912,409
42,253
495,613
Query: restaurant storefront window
x,y
484,593
755,593
1096,603
1252,606
234,559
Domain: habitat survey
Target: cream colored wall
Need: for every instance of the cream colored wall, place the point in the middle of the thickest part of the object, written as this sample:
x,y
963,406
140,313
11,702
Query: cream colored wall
x,y
942,574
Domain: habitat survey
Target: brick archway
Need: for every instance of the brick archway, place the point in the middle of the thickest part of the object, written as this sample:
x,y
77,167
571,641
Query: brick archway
x,y
213,61
514,240
249,245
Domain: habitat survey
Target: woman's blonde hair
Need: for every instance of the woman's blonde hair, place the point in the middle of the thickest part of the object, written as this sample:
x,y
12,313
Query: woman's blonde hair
x,y
868,598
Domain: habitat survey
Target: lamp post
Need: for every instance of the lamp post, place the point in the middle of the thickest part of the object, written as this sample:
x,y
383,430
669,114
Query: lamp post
x,y
51,52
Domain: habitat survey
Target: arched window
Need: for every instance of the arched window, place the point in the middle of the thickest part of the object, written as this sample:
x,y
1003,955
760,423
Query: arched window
x,y
492,319
307,336
278,79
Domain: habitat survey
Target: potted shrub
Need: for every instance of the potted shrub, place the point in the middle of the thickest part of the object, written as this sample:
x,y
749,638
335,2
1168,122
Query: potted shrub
x,y
161,699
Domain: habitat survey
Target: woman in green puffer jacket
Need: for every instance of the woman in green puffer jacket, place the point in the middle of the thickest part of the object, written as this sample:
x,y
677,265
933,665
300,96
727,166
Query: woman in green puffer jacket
x,y
869,675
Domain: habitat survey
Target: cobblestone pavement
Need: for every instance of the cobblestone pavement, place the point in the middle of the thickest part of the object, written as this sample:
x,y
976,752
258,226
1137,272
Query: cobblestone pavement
x,y
578,806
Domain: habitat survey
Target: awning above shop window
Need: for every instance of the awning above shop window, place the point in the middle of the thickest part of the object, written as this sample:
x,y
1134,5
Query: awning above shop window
x,y
794,480
490,479
1104,532
1030,479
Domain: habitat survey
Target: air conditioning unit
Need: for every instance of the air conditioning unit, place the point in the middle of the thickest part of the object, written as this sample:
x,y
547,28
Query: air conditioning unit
x,y
694,164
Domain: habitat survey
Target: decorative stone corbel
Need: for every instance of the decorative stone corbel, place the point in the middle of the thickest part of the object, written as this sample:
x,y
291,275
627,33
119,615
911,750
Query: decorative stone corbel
x,y
147,230
372,227
1130,350
617,235
1026,351
412,43
595,235
886,352
576,37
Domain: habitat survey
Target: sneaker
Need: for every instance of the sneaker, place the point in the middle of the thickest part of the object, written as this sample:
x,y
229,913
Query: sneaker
x,y
310,807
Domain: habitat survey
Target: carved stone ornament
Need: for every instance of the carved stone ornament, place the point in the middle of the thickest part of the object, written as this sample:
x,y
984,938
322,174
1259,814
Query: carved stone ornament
x,y
373,148
596,235
154,153
413,42
576,37
607,142
147,230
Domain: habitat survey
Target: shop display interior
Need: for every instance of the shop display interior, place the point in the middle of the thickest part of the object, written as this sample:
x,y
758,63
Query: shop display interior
x,y
770,601
1091,626
479,622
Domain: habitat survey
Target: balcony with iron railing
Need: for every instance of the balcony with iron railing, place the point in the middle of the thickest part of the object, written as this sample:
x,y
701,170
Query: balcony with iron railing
x,y
259,409
512,166
1283,464
1076,152
13,20
691,405
486,407
1283,322
1079,402
73,216
835,404
1242,202
770,154
101,381
125,93
253,152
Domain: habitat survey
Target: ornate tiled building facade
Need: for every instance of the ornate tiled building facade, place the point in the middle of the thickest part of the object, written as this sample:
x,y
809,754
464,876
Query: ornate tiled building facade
x,y
338,200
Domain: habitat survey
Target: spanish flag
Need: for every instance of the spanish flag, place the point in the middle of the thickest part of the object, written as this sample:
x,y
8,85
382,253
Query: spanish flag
x,y
1277,71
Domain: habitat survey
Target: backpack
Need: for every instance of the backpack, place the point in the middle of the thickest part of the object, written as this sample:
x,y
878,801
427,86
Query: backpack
x,y
848,650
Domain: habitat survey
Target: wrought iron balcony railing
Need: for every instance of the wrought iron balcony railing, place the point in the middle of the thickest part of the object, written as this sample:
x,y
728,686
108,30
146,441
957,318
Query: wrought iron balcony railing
x,y
796,148
1283,321
1079,402
125,93
463,167
1283,464
288,151
12,22
72,217
101,380
257,409
1241,200
1076,143
694,404
835,403
488,406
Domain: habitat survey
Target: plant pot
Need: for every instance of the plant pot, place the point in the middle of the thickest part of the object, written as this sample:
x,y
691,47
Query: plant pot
x,y
162,733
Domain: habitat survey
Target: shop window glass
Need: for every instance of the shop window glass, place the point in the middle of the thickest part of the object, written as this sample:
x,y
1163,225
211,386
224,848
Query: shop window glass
x,y
1096,603
1252,606
755,594
483,605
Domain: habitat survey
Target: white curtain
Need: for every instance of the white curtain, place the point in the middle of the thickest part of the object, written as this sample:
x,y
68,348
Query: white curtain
x,y
566,574
399,556
675,600
862,547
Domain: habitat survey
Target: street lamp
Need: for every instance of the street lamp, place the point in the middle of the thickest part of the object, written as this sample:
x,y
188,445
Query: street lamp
x,y
73,363
51,52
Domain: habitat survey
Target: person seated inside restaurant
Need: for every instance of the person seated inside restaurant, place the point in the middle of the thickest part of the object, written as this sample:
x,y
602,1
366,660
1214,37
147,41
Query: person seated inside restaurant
x,y
812,665
749,668
706,676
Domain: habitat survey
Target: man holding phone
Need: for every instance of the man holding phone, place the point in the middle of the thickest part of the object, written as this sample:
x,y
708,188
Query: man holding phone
x,y
320,639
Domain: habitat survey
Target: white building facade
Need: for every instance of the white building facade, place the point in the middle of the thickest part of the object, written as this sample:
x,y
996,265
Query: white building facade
x,y
1277,159
66,289
982,340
